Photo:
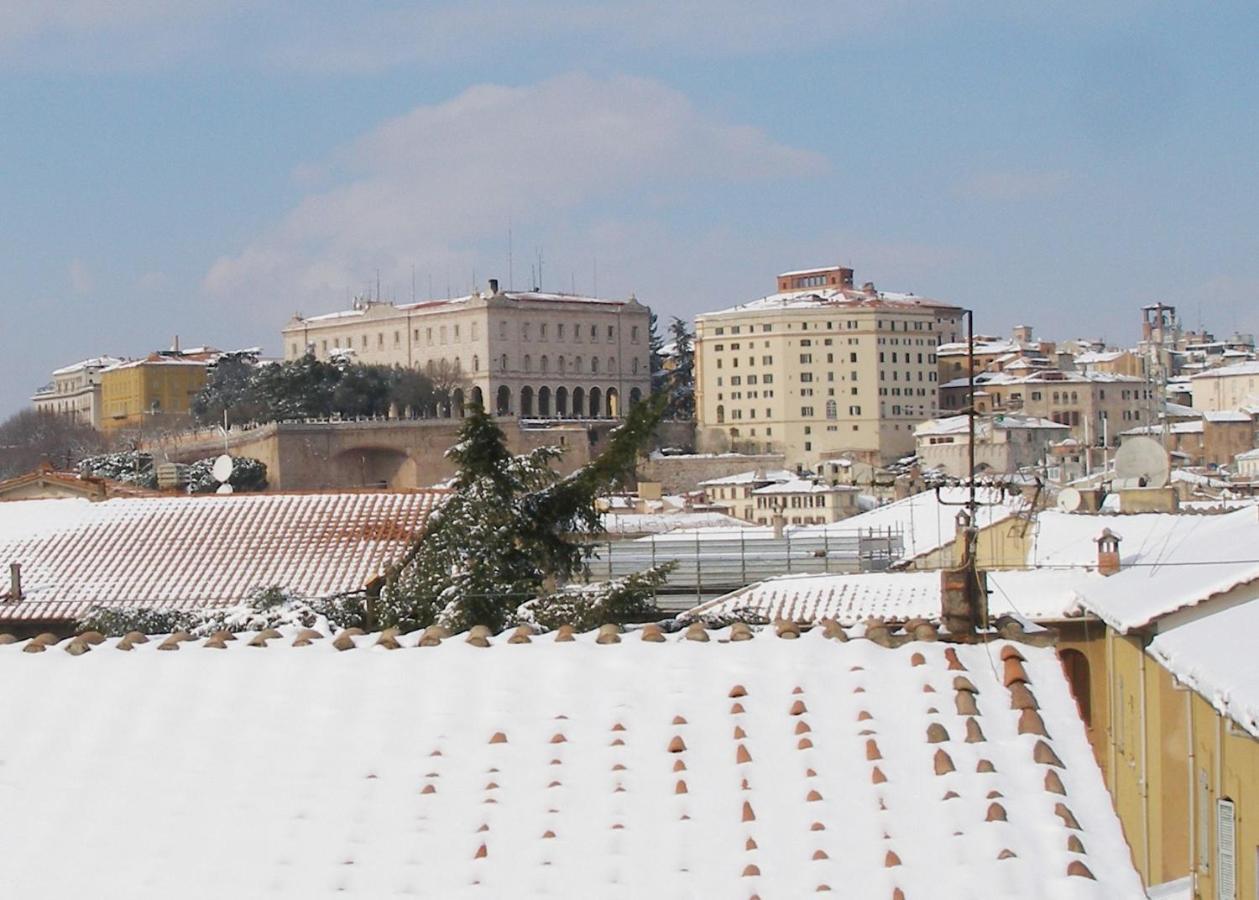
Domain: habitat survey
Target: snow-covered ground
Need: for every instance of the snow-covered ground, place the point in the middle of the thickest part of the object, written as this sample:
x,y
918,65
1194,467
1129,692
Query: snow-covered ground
x,y
674,769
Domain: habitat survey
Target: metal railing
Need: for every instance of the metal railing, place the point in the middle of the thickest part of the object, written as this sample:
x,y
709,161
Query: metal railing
x,y
704,564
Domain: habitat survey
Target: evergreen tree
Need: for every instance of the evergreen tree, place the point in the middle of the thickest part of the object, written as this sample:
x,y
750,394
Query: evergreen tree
x,y
511,527
681,378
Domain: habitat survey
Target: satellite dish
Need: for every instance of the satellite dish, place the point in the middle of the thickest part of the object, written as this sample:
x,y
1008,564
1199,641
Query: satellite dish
x,y
1069,500
224,489
222,470
1141,462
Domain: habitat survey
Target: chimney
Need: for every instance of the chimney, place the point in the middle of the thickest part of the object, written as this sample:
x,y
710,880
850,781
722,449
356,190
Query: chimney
x,y
493,285
778,521
15,582
1107,552
963,586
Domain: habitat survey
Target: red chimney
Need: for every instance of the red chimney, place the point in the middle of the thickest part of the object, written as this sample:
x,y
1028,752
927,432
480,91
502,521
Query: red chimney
x,y
1107,552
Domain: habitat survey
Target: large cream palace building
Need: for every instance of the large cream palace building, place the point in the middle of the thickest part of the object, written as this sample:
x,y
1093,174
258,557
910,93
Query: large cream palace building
x,y
820,370
528,354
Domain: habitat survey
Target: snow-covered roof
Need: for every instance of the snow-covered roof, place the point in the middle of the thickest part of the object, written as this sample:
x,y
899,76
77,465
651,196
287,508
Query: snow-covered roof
x,y
96,362
1167,562
662,523
1249,454
955,425
1093,357
1193,426
1246,368
1226,415
803,486
926,522
982,347
1215,655
635,769
852,599
823,298
186,551
440,305
752,476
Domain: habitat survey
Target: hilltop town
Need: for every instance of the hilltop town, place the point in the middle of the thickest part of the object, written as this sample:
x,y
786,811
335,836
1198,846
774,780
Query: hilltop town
x,y
997,596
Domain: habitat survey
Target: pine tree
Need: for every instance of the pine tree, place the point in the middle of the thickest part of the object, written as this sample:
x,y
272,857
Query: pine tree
x,y
511,527
681,380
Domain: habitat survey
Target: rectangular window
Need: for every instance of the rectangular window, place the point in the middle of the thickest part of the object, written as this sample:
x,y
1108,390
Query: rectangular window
x,y
611,333
806,358
559,331
633,333
806,377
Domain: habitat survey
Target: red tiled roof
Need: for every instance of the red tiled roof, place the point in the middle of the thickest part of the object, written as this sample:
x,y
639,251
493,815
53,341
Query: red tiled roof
x,y
200,551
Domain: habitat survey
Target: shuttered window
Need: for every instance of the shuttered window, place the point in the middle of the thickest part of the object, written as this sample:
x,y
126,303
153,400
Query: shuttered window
x,y
1226,850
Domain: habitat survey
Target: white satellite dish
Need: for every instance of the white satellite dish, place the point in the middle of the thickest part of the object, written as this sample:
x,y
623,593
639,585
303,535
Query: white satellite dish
x,y
1141,462
224,488
1069,500
222,470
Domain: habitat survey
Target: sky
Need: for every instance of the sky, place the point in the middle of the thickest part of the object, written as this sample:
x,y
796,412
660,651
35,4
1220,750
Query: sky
x,y
207,168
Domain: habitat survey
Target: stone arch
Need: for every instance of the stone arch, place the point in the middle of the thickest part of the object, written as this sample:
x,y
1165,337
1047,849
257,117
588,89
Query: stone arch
x,y
579,403
561,401
478,399
613,402
636,397
721,414
596,403
460,406
502,406
544,364
526,401
544,402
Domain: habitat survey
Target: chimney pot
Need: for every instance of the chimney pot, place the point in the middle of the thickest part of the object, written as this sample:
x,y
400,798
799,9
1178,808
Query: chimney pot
x,y
1108,562
493,285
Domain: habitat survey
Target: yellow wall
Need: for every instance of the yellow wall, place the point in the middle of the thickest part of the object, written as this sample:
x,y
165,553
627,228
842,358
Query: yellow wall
x,y
1003,545
129,393
1168,757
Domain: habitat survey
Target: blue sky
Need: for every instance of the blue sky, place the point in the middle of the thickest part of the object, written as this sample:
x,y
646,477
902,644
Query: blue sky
x,y
208,167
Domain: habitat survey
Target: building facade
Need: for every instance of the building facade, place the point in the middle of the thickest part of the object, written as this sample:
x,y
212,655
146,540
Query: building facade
x,y
75,391
821,371
151,391
1228,387
1004,443
527,354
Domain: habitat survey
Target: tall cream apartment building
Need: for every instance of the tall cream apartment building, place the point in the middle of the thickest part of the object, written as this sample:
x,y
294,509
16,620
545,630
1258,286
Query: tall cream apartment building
x,y
518,353
820,370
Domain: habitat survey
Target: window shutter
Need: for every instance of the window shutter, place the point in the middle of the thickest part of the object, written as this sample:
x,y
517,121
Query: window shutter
x,y
1226,839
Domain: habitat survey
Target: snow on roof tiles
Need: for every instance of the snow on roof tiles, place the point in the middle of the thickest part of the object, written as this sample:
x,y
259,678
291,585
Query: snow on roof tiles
x,y
894,596
833,298
1246,368
1167,561
195,551
677,768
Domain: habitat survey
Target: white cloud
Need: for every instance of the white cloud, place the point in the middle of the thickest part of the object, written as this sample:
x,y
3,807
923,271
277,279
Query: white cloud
x,y
1014,186
435,185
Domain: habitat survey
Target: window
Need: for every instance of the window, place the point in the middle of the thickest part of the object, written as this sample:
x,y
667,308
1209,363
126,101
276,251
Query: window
x,y
559,331
503,362
502,330
806,377
634,366
456,333
594,365
476,363
443,334
594,333
545,364
832,409
634,334
806,411
806,358
380,339
611,334
528,363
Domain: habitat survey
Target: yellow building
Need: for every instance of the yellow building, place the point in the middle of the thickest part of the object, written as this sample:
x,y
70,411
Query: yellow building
x,y
1179,683
159,387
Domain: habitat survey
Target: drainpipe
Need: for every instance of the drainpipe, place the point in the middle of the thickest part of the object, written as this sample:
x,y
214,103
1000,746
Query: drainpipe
x,y
1193,797
1145,778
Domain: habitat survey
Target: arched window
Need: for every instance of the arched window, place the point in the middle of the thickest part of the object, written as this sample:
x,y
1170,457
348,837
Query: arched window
x,y
476,364
634,366
594,365
546,364
636,397
528,363
721,413
577,364
526,401
544,402
611,363
503,407
560,362
561,401
596,403
832,409
579,403
503,362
